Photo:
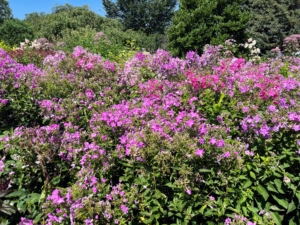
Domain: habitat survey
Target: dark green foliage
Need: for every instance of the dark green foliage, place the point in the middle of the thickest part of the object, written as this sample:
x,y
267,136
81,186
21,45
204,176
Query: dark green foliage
x,y
148,16
272,21
63,17
35,21
114,31
14,31
5,11
201,22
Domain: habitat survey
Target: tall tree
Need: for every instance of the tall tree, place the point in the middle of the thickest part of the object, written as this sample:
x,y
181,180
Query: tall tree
x,y
63,17
273,20
150,16
5,11
200,22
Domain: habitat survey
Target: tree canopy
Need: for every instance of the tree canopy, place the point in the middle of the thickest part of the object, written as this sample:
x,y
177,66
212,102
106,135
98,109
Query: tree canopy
x,y
63,17
5,11
201,22
271,21
14,31
149,16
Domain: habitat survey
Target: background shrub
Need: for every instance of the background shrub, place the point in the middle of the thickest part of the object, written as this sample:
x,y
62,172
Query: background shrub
x,y
14,31
63,17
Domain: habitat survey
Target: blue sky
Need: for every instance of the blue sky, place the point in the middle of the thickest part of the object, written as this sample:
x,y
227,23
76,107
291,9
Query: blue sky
x,y
21,7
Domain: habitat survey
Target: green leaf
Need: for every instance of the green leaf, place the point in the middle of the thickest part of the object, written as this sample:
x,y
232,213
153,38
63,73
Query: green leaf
x,y
277,218
16,193
281,202
21,206
181,206
252,175
202,209
249,167
33,198
242,200
171,185
277,174
233,209
42,197
170,214
292,221
275,208
149,221
55,181
253,209
209,213
291,207
278,184
205,171
247,184
298,195
231,190
263,192
157,216
270,187
38,218
126,164
178,215
245,211
5,192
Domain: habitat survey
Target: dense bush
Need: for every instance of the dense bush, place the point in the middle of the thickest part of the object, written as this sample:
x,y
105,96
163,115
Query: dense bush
x,y
14,31
200,22
88,38
6,47
117,34
63,17
210,139
112,42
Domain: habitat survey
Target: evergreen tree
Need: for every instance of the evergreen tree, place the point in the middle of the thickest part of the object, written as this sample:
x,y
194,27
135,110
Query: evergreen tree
x,y
271,21
5,11
201,22
150,16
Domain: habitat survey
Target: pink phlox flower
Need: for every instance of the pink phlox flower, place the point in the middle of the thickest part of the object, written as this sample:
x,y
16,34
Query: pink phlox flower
x,y
56,198
188,191
190,123
227,154
124,208
200,152
220,143
212,141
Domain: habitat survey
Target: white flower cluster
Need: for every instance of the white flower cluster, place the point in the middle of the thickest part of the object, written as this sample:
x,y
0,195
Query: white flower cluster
x,y
254,51
251,45
41,43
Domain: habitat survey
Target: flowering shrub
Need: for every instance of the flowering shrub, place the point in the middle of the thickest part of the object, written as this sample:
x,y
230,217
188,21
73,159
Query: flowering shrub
x,y
291,44
247,50
210,139
30,56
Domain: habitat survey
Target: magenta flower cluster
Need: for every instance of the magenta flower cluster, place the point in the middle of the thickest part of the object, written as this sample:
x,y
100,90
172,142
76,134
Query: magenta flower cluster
x,y
106,119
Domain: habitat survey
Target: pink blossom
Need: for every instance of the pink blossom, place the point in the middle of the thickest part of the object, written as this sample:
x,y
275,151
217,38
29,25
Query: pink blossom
x,y
124,208
199,152
188,191
226,154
